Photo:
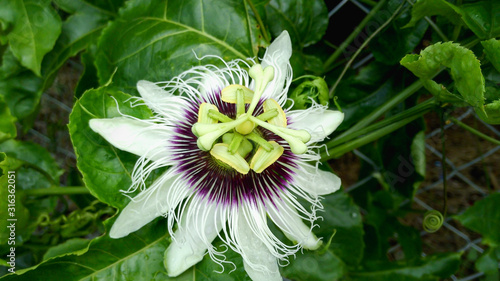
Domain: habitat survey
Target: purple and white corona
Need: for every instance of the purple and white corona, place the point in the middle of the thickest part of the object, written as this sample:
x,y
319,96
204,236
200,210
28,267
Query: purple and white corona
x,y
236,160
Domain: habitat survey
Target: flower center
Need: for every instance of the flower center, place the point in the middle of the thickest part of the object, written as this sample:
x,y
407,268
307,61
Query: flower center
x,y
234,141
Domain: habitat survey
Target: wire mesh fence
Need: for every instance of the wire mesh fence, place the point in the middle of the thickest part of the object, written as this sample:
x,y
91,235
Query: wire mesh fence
x,y
57,103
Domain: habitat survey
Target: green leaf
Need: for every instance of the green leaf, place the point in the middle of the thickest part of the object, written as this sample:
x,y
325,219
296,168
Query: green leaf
x,y
33,156
81,29
88,79
418,158
315,266
356,110
208,270
399,170
105,169
492,50
484,218
310,90
427,8
488,262
394,42
410,241
20,88
342,215
139,256
8,192
464,66
7,122
483,18
34,29
162,38
14,207
491,112
306,21
104,7
436,267
75,246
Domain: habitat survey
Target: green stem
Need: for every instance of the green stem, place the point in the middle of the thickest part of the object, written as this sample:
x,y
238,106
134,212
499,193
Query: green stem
x,y
41,171
374,115
303,77
259,21
353,35
471,42
474,131
458,27
349,146
332,90
417,110
443,163
433,25
56,190
368,2
437,29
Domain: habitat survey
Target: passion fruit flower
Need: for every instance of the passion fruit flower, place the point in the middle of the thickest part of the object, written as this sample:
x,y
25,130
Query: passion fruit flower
x,y
235,158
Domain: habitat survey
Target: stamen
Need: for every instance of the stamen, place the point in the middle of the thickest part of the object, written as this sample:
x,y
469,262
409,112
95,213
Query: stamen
x,y
259,140
229,93
245,146
280,119
235,143
204,113
240,103
268,115
295,138
263,159
215,114
221,153
208,133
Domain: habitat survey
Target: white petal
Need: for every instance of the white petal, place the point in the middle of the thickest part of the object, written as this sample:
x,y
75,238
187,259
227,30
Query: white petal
x,y
161,101
200,224
278,55
317,121
145,207
316,181
140,138
259,262
289,221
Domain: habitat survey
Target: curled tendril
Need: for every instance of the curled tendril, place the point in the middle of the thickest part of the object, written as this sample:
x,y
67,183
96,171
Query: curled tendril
x,y
433,220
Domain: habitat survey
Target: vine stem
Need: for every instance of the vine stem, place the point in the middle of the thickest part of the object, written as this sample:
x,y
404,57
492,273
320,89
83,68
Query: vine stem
x,y
353,35
474,131
378,130
259,21
400,97
433,25
416,110
56,190
379,111
348,64
443,163
458,27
